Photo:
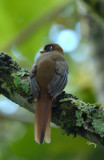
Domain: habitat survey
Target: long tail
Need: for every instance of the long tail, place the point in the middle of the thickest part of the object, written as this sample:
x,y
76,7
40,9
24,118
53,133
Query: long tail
x,y
42,120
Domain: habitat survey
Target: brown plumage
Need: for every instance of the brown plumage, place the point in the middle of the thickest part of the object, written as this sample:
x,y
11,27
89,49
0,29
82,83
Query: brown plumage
x,y
48,79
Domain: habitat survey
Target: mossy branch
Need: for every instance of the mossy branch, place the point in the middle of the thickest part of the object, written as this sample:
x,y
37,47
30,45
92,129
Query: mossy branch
x,y
70,113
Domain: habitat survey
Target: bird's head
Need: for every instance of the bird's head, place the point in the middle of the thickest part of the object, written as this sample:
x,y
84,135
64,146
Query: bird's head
x,y
52,47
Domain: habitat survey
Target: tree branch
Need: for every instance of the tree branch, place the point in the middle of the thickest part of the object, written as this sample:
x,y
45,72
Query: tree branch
x,y
70,113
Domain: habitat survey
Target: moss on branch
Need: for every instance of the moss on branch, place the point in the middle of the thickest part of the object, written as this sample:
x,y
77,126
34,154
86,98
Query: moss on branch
x,y
69,112
14,81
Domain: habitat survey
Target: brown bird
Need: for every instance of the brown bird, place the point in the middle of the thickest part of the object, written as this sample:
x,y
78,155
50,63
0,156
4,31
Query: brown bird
x,y
49,77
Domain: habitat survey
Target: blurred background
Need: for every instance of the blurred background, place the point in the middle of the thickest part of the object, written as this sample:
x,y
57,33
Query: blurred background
x,y
78,27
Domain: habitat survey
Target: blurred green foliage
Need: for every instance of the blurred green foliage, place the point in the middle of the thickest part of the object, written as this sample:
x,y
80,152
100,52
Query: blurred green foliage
x,y
61,147
18,17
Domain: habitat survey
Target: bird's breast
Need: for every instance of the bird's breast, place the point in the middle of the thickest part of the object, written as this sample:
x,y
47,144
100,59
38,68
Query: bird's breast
x,y
44,73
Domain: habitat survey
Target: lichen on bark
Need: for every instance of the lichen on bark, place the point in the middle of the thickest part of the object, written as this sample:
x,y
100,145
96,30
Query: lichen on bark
x,y
69,112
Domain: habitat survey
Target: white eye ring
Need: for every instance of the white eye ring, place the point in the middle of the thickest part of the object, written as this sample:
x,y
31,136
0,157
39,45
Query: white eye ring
x,y
51,47
48,48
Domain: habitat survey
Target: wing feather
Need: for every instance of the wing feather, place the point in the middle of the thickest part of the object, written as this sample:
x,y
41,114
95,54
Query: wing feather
x,y
58,83
34,85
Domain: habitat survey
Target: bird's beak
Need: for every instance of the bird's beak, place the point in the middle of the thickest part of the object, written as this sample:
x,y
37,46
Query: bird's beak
x,y
42,51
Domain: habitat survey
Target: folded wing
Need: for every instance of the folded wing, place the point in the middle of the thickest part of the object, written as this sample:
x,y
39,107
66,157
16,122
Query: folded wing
x,y
58,82
34,85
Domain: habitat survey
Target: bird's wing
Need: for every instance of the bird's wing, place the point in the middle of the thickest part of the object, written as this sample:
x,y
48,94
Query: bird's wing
x,y
59,81
34,85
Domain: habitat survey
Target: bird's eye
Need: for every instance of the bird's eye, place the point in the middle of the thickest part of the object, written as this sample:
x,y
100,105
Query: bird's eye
x,y
48,48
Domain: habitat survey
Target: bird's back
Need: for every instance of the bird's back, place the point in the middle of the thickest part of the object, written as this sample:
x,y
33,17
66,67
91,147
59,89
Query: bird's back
x,y
44,74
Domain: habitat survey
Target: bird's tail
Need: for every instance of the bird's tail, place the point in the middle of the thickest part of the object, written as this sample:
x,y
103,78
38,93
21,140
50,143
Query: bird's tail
x,y
42,120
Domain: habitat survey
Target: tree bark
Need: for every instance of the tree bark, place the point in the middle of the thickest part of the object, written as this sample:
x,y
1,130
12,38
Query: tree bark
x,y
69,112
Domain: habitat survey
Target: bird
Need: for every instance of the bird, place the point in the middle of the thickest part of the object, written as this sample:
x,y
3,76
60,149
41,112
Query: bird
x,y
49,76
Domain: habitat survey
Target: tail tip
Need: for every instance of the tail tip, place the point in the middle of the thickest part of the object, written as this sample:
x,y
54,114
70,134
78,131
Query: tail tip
x,y
41,139
48,141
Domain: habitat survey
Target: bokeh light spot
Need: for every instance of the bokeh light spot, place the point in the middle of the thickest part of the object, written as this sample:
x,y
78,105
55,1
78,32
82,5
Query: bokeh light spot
x,y
68,40
7,106
81,54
